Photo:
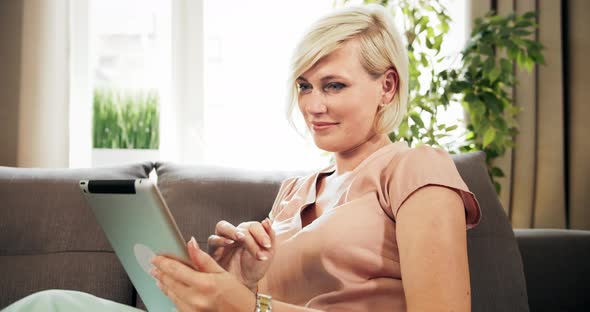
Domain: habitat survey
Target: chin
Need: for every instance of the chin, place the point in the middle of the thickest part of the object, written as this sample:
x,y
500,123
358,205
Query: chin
x,y
329,144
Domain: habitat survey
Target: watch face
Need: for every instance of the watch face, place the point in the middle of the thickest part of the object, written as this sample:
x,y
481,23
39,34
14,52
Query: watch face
x,y
263,303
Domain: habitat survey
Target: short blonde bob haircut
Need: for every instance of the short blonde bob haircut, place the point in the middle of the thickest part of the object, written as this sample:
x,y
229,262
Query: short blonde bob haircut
x,y
381,48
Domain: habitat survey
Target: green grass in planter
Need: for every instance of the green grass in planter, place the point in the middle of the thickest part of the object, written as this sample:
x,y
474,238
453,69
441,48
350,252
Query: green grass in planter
x,y
125,120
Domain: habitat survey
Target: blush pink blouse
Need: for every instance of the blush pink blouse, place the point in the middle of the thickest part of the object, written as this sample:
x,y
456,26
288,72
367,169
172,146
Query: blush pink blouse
x,y
347,259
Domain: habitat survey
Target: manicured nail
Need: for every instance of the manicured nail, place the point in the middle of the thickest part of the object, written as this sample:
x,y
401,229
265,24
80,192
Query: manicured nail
x,y
262,257
267,244
229,241
240,235
194,242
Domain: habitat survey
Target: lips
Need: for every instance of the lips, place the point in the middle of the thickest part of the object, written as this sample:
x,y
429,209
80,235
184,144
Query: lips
x,y
322,125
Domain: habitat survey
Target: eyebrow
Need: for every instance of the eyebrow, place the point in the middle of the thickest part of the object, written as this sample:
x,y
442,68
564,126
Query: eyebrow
x,y
329,77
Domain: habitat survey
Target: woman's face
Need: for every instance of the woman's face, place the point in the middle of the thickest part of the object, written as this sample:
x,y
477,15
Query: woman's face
x,y
339,100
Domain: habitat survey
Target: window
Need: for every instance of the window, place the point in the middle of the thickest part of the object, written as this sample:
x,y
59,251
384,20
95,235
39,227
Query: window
x,y
217,71
126,66
248,45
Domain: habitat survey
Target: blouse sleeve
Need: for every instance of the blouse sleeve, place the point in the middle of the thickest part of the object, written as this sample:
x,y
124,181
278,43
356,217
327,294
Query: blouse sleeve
x,y
425,165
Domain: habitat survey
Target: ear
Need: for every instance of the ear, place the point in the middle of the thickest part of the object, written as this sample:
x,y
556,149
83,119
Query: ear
x,y
389,85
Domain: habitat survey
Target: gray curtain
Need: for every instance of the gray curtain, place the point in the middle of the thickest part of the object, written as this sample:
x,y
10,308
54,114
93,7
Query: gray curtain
x,y
547,183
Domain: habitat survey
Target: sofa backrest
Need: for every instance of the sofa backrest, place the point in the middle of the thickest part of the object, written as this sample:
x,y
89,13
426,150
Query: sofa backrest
x,y
50,239
495,264
199,197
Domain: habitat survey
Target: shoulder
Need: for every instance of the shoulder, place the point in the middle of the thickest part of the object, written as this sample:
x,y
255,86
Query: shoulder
x,y
416,168
424,160
423,154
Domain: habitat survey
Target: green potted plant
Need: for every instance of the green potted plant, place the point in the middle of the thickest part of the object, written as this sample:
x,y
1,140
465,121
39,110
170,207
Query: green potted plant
x,y
125,126
477,79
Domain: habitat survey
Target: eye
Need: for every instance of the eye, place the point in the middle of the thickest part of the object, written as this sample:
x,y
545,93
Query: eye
x,y
304,87
335,86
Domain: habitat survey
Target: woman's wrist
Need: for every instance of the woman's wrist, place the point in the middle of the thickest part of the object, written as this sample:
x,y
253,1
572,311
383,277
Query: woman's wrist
x,y
256,286
253,288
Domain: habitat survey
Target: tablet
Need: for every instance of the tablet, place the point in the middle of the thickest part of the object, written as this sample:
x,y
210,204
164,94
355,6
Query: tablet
x,y
138,224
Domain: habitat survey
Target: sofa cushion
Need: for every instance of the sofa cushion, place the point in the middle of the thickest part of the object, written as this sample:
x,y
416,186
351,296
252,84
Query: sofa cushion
x,y
495,265
557,268
49,238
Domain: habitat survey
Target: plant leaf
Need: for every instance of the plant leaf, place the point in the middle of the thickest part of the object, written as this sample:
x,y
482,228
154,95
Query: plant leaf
x,y
417,120
489,136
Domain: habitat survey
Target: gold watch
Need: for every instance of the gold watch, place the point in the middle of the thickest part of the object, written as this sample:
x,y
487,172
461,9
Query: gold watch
x,y
263,303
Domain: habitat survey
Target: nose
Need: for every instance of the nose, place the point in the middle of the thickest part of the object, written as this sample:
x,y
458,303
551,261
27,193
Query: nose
x,y
315,103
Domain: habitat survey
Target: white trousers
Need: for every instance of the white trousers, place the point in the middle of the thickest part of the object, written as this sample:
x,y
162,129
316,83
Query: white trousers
x,y
55,300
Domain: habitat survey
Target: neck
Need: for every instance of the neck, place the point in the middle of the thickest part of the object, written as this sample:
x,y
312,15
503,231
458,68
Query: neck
x,y
348,160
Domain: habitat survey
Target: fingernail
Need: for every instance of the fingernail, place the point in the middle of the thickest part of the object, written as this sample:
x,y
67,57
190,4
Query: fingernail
x,y
240,235
229,241
262,257
267,244
194,242
159,284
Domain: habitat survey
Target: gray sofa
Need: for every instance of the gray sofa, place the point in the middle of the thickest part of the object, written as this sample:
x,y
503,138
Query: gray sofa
x,y
49,238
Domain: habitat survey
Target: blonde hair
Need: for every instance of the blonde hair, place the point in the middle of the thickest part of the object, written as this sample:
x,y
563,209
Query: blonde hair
x,y
381,48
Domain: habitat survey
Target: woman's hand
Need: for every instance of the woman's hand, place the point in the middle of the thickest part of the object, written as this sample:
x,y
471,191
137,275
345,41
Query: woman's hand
x,y
246,251
209,288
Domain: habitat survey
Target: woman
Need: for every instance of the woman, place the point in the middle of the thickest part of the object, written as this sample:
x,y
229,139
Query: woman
x,y
382,229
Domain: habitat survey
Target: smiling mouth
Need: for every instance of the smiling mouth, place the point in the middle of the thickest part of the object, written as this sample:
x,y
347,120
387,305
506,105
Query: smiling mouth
x,y
323,126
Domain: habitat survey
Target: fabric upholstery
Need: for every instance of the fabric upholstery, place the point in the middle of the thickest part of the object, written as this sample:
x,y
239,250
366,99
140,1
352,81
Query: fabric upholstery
x,y
49,238
495,265
198,197
97,273
557,268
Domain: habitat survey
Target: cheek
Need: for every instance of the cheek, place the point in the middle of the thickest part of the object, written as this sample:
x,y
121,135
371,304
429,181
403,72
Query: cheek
x,y
300,106
357,111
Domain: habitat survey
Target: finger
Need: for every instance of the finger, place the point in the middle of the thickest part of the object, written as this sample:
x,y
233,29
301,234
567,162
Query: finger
x,y
174,297
228,230
253,247
175,269
218,253
219,241
168,284
268,227
180,305
215,242
201,259
260,235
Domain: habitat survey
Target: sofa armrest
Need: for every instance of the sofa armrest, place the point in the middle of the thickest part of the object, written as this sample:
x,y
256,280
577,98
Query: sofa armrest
x,y
556,267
